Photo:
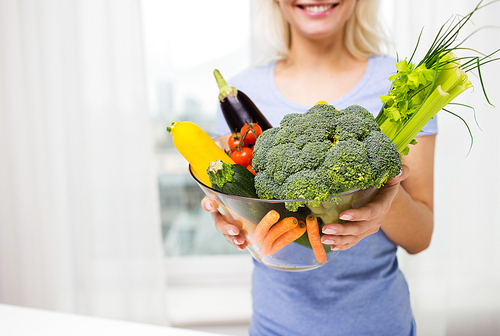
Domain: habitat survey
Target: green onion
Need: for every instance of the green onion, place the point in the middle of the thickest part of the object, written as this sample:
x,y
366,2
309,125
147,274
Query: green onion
x,y
420,91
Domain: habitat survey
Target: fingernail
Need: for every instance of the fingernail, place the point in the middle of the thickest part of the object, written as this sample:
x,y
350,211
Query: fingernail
x,y
329,231
235,241
328,241
209,206
335,248
346,217
401,172
231,232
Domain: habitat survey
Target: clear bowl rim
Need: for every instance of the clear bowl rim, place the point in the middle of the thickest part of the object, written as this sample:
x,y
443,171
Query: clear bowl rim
x,y
345,193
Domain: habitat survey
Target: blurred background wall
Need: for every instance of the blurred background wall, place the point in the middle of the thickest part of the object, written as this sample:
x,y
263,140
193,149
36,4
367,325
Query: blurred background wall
x,y
97,213
79,210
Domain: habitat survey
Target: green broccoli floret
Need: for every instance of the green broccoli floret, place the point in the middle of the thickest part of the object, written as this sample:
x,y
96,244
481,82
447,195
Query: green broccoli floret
x,y
280,169
347,166
289,119
266,186
266,141
360,111
383,166
303,185
355,122
321,153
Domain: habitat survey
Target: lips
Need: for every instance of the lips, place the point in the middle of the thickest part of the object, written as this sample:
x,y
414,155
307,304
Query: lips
x,y
317,9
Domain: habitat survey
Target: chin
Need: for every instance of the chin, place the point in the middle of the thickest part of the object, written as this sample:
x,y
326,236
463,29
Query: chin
x,y
321,33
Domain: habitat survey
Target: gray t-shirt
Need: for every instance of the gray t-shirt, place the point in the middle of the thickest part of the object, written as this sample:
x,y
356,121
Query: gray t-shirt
x,y
361,291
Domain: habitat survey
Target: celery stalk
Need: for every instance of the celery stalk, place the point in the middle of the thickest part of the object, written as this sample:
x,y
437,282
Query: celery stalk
x,y
419,92
436,101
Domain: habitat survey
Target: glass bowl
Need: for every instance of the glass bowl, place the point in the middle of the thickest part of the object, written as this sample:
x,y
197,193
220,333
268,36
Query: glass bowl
x,y
246,213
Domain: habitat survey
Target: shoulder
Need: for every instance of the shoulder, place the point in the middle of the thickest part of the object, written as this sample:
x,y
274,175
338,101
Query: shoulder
x,y
385,61
382,66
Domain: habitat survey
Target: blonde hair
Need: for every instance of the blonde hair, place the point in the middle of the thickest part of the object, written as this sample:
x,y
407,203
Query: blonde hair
x,y
363,35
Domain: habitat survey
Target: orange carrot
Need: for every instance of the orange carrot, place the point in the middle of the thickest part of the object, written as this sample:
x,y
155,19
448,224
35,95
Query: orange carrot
x,y
287,237
284,225
315,238
264,225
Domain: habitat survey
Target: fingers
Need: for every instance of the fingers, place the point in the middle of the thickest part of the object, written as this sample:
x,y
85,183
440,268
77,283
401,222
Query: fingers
x,y
224,224
378,208
349,229
360,223
346,235
230,231
381,204
209,204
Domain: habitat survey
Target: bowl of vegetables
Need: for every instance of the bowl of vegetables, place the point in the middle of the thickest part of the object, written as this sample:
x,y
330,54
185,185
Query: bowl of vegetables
x,y
282,233
281,185
283,239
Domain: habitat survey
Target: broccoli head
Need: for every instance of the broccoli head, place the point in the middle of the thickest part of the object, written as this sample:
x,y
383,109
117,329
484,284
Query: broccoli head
x,y
383,166
323,152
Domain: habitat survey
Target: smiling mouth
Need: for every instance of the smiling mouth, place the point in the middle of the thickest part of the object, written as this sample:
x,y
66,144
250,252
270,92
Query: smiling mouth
x,y
317,8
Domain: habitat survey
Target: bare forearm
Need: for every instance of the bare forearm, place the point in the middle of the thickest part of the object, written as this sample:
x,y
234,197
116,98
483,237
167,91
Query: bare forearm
x,y
409,223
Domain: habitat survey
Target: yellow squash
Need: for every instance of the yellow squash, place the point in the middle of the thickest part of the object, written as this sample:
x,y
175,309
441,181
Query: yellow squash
x,y
197,147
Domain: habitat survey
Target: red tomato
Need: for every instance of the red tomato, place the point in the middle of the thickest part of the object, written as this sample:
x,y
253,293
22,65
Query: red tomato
x,y
234,140
250,133
249,167
243,156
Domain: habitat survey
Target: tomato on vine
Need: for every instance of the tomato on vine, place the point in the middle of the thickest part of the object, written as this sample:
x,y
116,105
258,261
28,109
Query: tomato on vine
x,y
242,157
235,140
250,133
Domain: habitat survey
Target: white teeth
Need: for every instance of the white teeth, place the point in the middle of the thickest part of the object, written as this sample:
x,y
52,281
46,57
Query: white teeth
x,y
317,9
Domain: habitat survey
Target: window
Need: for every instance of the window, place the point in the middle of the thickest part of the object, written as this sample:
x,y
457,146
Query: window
x,y
184,42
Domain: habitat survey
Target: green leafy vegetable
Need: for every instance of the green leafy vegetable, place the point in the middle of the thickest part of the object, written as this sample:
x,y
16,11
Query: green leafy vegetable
x,y
420,91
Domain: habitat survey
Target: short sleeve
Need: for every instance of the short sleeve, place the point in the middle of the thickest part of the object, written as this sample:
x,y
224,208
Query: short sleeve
x,y
429,128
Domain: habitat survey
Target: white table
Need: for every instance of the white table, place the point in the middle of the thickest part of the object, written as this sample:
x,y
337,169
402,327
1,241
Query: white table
x,y
22,321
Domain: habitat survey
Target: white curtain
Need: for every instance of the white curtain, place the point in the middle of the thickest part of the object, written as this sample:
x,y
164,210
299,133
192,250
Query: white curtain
x,y
455,284
79,214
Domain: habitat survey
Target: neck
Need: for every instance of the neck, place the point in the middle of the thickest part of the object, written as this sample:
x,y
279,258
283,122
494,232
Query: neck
x,y
317,70
327,54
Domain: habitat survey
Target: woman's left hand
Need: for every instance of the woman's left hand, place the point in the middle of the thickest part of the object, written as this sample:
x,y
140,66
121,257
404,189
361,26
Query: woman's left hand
x,y
364,221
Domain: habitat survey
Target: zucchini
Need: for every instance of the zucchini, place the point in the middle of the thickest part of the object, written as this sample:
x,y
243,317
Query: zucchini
x,y
232,179
237,108
197,147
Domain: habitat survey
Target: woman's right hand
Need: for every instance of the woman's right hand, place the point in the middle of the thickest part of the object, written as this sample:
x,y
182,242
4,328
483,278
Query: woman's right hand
x,y
224,224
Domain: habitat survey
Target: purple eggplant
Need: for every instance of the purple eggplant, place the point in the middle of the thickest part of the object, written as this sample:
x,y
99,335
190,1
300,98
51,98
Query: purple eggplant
x,y
237,108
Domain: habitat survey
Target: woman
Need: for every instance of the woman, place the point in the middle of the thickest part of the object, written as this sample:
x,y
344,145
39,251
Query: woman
x,y
329,50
